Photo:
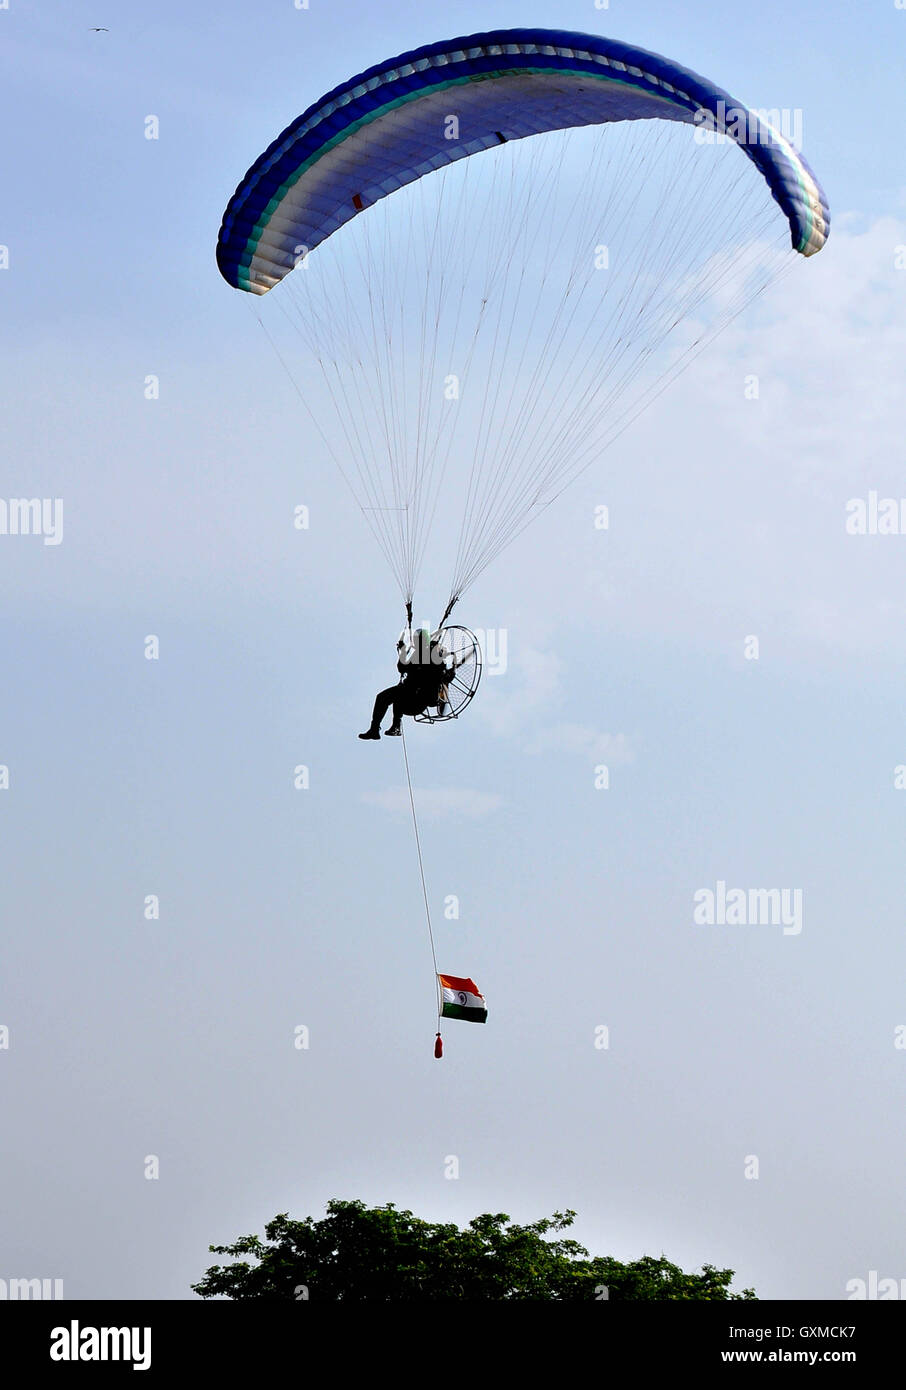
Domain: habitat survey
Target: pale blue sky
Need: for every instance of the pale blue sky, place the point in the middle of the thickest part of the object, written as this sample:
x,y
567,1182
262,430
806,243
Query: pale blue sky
x,y
281,908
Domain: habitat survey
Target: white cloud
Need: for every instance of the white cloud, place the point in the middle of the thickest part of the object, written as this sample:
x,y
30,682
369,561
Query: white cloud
x,y
727,513
531,685
432,803
531,689
583,740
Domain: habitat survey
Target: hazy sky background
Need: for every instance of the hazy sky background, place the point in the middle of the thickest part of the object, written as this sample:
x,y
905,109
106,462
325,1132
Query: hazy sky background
x,y
280,907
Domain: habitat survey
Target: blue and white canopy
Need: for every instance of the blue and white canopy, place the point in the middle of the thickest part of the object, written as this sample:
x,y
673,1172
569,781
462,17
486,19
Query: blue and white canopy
x,y
427,108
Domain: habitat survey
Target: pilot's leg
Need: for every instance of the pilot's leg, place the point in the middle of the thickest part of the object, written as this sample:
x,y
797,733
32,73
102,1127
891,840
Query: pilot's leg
x,y
381,705
401,706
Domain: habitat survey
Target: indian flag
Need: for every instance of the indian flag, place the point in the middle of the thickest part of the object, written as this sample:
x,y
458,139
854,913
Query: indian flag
x,y
462,1000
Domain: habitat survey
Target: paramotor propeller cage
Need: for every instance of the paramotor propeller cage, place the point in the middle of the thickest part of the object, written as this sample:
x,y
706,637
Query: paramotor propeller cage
x,y
464,653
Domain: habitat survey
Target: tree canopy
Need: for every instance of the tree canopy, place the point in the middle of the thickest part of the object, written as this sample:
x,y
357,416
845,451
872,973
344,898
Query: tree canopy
x,y
383,1255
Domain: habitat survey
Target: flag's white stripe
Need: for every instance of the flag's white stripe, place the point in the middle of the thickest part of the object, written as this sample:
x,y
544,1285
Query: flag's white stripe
x,y
464,999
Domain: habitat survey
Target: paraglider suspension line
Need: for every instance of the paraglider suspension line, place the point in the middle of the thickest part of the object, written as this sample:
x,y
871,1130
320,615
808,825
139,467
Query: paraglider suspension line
x,y
449,609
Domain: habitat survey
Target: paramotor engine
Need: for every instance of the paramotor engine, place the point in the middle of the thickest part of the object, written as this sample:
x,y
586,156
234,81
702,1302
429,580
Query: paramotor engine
x,y
461,650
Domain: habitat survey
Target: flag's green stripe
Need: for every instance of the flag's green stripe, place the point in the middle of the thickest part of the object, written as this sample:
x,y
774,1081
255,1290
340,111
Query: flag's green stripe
x,y
468,1015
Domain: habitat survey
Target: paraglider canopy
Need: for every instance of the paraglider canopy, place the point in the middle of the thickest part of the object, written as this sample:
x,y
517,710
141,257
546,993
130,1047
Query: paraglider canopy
x,y
506,245
392,125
